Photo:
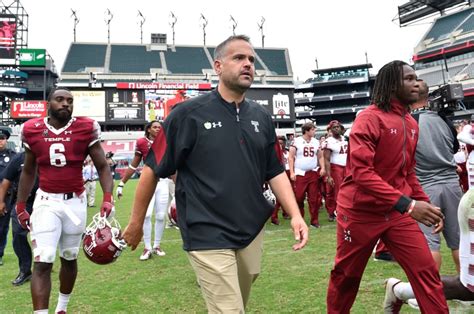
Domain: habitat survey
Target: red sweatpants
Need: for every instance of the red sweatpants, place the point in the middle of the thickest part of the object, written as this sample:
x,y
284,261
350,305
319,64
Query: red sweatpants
x,y
406,242
309,184
337,173
278,205
463,180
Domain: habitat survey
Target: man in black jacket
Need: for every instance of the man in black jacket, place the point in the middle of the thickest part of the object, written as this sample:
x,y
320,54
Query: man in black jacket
x,y
224,149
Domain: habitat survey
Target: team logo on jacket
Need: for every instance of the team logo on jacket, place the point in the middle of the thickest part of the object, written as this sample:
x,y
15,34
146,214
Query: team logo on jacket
x,y
255,124
45,132
347,235
212,125
413,132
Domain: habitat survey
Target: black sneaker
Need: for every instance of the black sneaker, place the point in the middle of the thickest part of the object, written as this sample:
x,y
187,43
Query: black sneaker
x,y
21,278
315,226
1,261
331,218
384,257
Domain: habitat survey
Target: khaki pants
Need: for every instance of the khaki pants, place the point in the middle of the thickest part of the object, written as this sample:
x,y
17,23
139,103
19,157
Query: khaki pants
x,y
226,276
90,190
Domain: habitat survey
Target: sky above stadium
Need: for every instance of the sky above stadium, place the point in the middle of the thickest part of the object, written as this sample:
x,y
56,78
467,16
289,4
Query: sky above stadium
x,y
337,33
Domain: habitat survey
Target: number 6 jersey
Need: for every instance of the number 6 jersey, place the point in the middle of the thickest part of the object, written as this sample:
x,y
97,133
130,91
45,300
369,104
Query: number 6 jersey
x,y
60,153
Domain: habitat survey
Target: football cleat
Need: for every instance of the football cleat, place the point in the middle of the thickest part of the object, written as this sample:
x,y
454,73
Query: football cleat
x,y
413,303
101,241
158,251
145,255
391,304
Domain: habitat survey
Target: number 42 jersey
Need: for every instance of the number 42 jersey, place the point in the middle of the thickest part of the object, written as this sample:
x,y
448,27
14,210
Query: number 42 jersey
x,y
60,153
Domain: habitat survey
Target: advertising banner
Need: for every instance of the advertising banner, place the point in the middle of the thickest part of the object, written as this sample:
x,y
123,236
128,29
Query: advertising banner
x,y
162,85
26,109
32,57
158,103
7,39
89,104
279,102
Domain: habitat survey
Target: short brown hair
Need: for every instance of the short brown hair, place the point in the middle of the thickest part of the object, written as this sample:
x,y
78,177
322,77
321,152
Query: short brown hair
x,y
307,127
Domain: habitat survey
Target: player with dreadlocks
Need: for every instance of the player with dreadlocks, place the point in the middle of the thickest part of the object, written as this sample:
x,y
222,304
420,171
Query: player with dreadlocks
x,y
382,198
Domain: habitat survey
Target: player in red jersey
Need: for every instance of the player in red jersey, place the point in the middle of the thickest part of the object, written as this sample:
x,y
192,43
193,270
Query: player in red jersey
x,y
57,146
161,199
284,151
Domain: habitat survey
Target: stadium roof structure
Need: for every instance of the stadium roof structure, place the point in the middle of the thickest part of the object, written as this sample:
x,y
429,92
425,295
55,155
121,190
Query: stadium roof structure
x,y
449,35
114,62
344,68
415,10
336,76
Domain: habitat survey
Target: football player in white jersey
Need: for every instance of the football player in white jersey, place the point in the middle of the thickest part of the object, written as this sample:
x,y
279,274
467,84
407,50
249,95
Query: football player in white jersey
x,y
335,156
304,164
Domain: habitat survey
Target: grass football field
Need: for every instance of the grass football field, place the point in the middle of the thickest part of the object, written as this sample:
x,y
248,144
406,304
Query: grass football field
x,y
290,282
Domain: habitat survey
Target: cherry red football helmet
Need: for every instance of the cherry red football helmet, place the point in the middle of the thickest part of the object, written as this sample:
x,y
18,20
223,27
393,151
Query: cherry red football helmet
x,y
173,213
101,243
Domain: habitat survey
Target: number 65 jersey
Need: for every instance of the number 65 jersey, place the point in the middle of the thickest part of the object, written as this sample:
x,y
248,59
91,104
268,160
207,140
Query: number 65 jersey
x,y
306,158
60,153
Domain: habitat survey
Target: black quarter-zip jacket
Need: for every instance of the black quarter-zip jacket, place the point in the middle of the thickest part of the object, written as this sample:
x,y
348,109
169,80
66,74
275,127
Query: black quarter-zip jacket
x,y
223,156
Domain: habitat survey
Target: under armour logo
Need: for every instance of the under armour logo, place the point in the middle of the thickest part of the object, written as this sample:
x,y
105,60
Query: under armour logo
x,y
212,125
37,124
255,124
393,131
347,235
67,132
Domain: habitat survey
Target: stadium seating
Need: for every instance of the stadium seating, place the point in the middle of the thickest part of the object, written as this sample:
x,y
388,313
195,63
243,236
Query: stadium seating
x,y
180,60
468,25
82,55
187,60
274,59
467,72
445,25
133,59
315,79
436,77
